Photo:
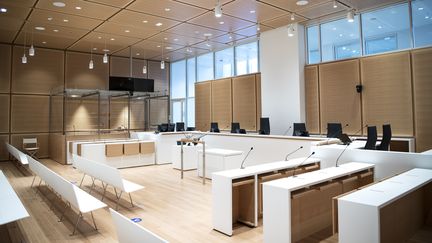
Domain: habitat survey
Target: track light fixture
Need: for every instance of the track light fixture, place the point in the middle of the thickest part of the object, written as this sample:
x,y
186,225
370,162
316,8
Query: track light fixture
x,y
350,16
218,9
91,64
291,30
32,50
105,56
24,58
335,4
292,17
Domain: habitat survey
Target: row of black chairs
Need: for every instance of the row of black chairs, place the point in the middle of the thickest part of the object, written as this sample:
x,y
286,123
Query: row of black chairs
x,y
372,137
235,128
171,127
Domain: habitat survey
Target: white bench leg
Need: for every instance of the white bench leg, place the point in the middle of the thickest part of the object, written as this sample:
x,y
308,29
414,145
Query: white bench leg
x,y
76,224
82,180
118,199
92,185
105,188
64,211
94,222
130,197
34,178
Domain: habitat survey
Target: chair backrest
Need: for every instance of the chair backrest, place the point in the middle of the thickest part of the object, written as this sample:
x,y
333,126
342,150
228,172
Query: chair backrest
x,y
334,130
371,137
100,171
190,129
235,127
164,127
129,231
264,125
299,129
180,126
29,142
242,131
171,127
386,138
214,127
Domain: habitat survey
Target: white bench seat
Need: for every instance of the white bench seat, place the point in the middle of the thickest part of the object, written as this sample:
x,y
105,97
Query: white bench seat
x,y
72,194
11,207
107,174
18,155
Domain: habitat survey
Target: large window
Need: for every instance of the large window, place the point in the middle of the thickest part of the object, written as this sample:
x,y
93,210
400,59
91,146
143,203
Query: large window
x,y
224,63
178,79
340,39
422,22
313,44
247,58
191,76
205,67
386,29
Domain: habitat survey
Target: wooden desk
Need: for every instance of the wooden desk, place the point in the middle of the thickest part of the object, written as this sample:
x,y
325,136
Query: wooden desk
x,y
297,207
237,194
388,211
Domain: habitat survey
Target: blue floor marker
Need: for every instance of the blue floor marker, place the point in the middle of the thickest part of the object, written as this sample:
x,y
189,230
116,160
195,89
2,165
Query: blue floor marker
x,y
136,220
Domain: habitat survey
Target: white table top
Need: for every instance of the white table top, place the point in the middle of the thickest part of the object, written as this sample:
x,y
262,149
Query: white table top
x,y
11,207
254,135
318,176
264,168
222,152
387,191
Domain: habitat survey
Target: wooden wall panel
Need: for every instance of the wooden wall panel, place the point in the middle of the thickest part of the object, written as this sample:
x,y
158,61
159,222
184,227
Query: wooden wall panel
x,y
387,93
57,147
16,140
338,97
118,113
158,112
4,113
4,154
258,98
41,73
56,116
221,104
161,77
312,99
83,115
137,114
203,106
244,102
79,76
30,113
5,68
119,66
422,80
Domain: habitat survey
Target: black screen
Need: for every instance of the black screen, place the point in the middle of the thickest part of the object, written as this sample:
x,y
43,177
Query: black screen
x,y
120,83
143,85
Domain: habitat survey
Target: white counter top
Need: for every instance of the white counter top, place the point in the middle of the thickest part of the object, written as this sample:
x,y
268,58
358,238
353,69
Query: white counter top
x,y
222,152
316,177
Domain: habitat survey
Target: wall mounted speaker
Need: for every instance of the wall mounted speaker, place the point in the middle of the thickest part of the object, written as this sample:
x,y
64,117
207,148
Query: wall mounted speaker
x,y
359,88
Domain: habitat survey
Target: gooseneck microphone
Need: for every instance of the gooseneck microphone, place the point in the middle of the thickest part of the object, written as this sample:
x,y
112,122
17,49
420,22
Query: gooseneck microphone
x,y
336,132
286,157
286,132
310,155
346,146
247,155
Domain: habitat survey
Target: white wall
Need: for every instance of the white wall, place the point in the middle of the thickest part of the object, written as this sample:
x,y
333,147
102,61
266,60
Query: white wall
x,y
282,77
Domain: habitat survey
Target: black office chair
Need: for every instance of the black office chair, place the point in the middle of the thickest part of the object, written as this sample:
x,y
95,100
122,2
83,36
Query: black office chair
x,y
171,127
163,127
334,130
235,127
214,127
371,138
386,138
264,126
242,131
180,127
300,130
190,129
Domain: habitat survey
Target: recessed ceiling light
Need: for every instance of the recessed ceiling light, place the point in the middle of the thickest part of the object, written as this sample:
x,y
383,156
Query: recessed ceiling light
x,y
127,31
43,42
208,34
39,28
252,11
165,38
167,58
112,39
56,30
334,28
176,39
78,8
426,17
420,9
65,20
3,10
137,54
158,46
59,4
105,50
340,35
167,9
196,32
221,22
50,18
145,21
380,27
94,48
158,24
168,48
99,37
302,2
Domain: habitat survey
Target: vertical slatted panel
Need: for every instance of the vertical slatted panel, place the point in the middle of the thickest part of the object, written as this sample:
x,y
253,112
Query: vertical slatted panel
x,y
422,79
5,68
221,103
338,97
30,113
312,99
79,76
4,113
4,154
244,102
118,113
387,93
258,98
203,106
137,114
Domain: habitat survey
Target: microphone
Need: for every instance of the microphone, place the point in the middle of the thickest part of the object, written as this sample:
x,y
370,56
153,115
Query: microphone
x,y
286,132
286,157
310,155
336,132
198,138
247,155
346,146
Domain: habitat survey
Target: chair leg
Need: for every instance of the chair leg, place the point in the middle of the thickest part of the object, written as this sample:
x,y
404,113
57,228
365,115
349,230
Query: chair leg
x,y
115,192
118,199
76,224
92,185
105,188
64,211
34,178
130,197
94,222
82,180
